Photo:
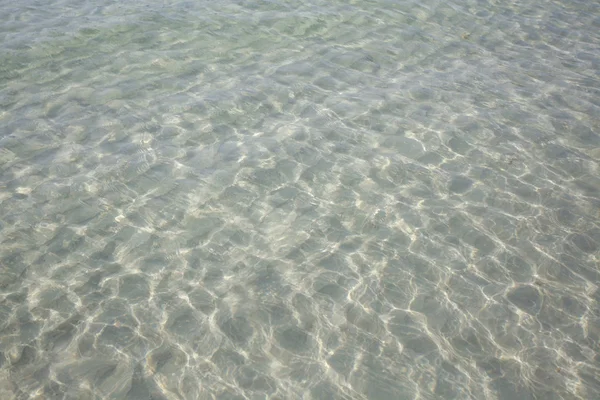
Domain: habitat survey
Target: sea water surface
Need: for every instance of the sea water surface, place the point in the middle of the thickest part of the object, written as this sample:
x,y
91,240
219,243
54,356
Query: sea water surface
x,y
248,199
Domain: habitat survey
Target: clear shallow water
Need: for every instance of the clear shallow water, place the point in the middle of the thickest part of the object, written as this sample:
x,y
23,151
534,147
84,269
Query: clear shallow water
x,y
326,200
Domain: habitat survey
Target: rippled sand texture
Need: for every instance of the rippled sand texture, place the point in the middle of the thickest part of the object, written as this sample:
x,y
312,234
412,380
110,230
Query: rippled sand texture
x,y
284,200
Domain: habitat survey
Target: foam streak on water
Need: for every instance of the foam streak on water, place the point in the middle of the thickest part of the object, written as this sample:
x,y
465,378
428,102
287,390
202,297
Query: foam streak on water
x,y
280,199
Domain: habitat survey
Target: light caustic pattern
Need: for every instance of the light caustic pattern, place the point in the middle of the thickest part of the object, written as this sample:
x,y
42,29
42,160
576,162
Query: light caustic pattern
x,y
320,200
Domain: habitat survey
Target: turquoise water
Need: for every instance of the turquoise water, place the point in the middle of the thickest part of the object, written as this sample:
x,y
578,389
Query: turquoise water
x,y
310,199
